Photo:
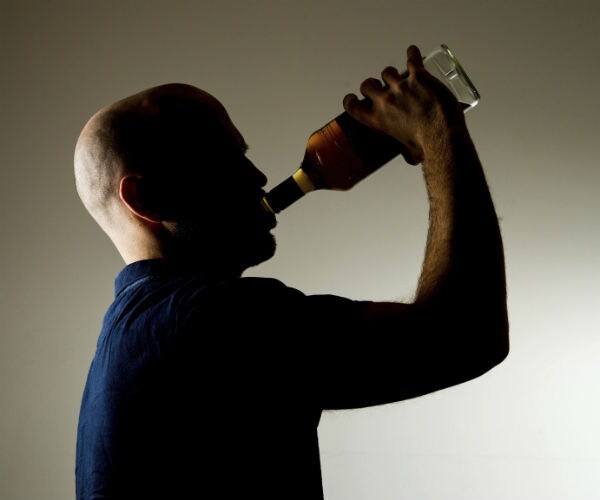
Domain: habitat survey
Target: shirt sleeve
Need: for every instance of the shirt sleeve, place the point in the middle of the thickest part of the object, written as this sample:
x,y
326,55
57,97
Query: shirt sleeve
x,y
322,347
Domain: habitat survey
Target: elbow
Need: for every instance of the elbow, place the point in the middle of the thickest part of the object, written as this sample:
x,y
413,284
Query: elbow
x,y
472,341
501,348
493,347
497,356
481,340
499,333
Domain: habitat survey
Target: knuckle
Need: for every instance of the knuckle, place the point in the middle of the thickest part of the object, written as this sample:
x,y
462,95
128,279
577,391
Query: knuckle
x,y
404,85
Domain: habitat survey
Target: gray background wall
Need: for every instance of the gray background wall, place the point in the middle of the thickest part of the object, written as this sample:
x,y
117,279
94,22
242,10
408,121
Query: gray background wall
x,y
528,429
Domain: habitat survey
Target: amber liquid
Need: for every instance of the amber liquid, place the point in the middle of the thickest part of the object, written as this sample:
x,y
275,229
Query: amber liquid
x,y
337,156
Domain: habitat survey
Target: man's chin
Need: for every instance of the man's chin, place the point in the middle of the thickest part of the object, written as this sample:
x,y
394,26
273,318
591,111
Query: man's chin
x,y
263,252
222,250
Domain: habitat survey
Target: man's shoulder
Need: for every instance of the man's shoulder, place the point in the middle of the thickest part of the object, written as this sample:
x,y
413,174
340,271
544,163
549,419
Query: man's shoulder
x,y
237,294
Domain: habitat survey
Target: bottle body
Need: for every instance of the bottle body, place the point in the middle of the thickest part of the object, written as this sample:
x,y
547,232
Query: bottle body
x,y
337,156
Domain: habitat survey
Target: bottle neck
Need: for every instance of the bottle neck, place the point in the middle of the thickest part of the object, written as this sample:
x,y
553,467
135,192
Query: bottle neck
x,y
287,192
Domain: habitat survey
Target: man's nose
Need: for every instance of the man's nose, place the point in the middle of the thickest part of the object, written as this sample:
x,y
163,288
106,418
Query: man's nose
x,y
255,175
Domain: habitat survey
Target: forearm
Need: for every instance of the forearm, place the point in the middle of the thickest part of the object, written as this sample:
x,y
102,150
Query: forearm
x,y
463,275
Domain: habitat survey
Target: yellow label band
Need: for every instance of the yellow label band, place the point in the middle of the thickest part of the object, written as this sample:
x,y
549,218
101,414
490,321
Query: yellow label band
x,y
303,181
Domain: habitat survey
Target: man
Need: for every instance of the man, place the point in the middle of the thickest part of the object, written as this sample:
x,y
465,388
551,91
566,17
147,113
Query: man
x,y
209,384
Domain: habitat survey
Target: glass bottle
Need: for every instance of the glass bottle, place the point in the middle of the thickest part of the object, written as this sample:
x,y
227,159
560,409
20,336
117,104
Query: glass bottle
x,y
345,151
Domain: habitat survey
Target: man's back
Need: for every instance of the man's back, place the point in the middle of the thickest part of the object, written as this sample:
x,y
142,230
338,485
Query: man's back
x,y
190,391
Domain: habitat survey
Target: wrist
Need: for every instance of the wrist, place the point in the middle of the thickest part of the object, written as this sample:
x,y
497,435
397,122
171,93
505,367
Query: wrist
x,y
445,140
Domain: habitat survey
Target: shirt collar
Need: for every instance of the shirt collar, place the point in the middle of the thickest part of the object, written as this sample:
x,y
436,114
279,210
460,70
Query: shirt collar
x,y
152,268
142,269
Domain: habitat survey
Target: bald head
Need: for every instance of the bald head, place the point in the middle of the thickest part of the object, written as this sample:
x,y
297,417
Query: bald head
x,y
146,134
153,165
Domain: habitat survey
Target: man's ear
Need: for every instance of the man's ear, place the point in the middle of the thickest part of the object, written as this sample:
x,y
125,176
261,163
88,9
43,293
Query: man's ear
x,y
134,193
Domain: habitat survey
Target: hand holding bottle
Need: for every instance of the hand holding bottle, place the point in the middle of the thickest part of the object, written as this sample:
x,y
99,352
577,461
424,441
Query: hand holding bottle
x,y
413,108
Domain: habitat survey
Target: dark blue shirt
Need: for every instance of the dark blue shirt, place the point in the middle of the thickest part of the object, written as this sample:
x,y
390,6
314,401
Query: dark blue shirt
x,y
207,388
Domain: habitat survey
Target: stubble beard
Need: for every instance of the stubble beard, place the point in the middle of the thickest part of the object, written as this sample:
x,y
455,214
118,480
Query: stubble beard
x,y
206,246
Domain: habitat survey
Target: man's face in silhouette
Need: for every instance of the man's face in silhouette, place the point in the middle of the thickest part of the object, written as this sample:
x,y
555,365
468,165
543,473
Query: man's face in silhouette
x,y
201,182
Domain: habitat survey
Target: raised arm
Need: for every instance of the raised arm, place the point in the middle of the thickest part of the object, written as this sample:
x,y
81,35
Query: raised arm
x,y
457,328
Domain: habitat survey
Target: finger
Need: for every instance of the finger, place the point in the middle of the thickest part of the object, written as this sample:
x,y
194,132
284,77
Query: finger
x,y
391,76
371,87
354,106
414,59
351,103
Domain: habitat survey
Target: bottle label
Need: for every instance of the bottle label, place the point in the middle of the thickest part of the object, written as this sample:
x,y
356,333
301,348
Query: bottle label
x,y
374,148
332,159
